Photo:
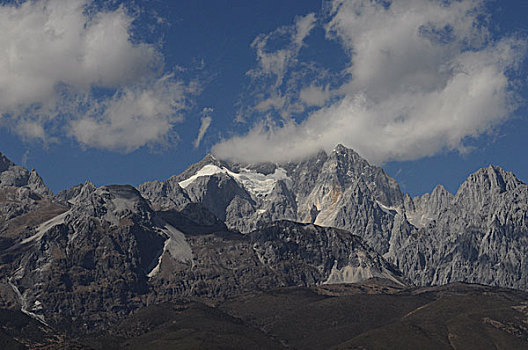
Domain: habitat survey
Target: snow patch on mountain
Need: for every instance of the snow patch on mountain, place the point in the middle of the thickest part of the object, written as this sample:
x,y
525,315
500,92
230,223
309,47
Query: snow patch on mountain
x,y
207,170
45,227
257,184
176,245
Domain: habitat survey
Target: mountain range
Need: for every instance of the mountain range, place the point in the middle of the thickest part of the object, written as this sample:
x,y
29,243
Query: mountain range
x,y
477,235
89,258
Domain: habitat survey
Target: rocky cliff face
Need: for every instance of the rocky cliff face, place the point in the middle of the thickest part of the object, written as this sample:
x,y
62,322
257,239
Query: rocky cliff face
x,y
89,262
103,252
478,235
337,190
24,201
12,175
89,256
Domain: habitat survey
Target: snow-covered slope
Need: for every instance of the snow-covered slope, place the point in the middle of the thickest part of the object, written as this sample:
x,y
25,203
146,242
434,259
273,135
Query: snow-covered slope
x,y
175,245
255,183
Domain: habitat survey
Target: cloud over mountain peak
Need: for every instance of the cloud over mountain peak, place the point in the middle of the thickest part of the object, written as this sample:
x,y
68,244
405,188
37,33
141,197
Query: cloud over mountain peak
x,y
421,77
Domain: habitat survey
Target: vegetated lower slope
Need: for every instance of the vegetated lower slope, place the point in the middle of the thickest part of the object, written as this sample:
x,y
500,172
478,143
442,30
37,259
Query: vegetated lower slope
x,y
19,331
182,325
372,315
460,316
376,314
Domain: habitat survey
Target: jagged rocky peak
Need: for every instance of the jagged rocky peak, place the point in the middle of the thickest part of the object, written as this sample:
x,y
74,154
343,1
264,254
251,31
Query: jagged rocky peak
x,y
208,160
65,197
491,185
70,196
353,168
315,189
492,179
5,163
478,235
440,198
13,175
341,167
165,195
441,193
348,163
349,155
16,176
428,237
36,184
110,203
170,194
421,210
434,202
101,248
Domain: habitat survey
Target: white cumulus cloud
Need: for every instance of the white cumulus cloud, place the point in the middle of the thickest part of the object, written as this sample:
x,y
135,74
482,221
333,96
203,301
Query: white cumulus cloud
x,y
133,117
422,77
57,54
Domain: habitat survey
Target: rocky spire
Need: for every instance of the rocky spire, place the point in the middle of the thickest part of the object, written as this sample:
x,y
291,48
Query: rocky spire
x,y
17,176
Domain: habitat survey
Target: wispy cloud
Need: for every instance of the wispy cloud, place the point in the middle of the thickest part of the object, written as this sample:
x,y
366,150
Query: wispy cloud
x,y
270,87
205,123
71,68
276,62
422,77
314,95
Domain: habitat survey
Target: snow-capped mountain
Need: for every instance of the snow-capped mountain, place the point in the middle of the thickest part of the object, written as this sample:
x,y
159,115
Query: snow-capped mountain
x,y
337,190
478,235
90,255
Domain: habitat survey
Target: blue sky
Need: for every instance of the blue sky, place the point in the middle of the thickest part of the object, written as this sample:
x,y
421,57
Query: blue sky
x,y
117,92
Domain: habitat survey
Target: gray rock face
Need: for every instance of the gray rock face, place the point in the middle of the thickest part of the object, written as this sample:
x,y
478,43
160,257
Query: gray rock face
x,y
66,196
339,190
12,175
164,195
319,254
89,255
478,235
110,253
24,200
282,254
90,260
